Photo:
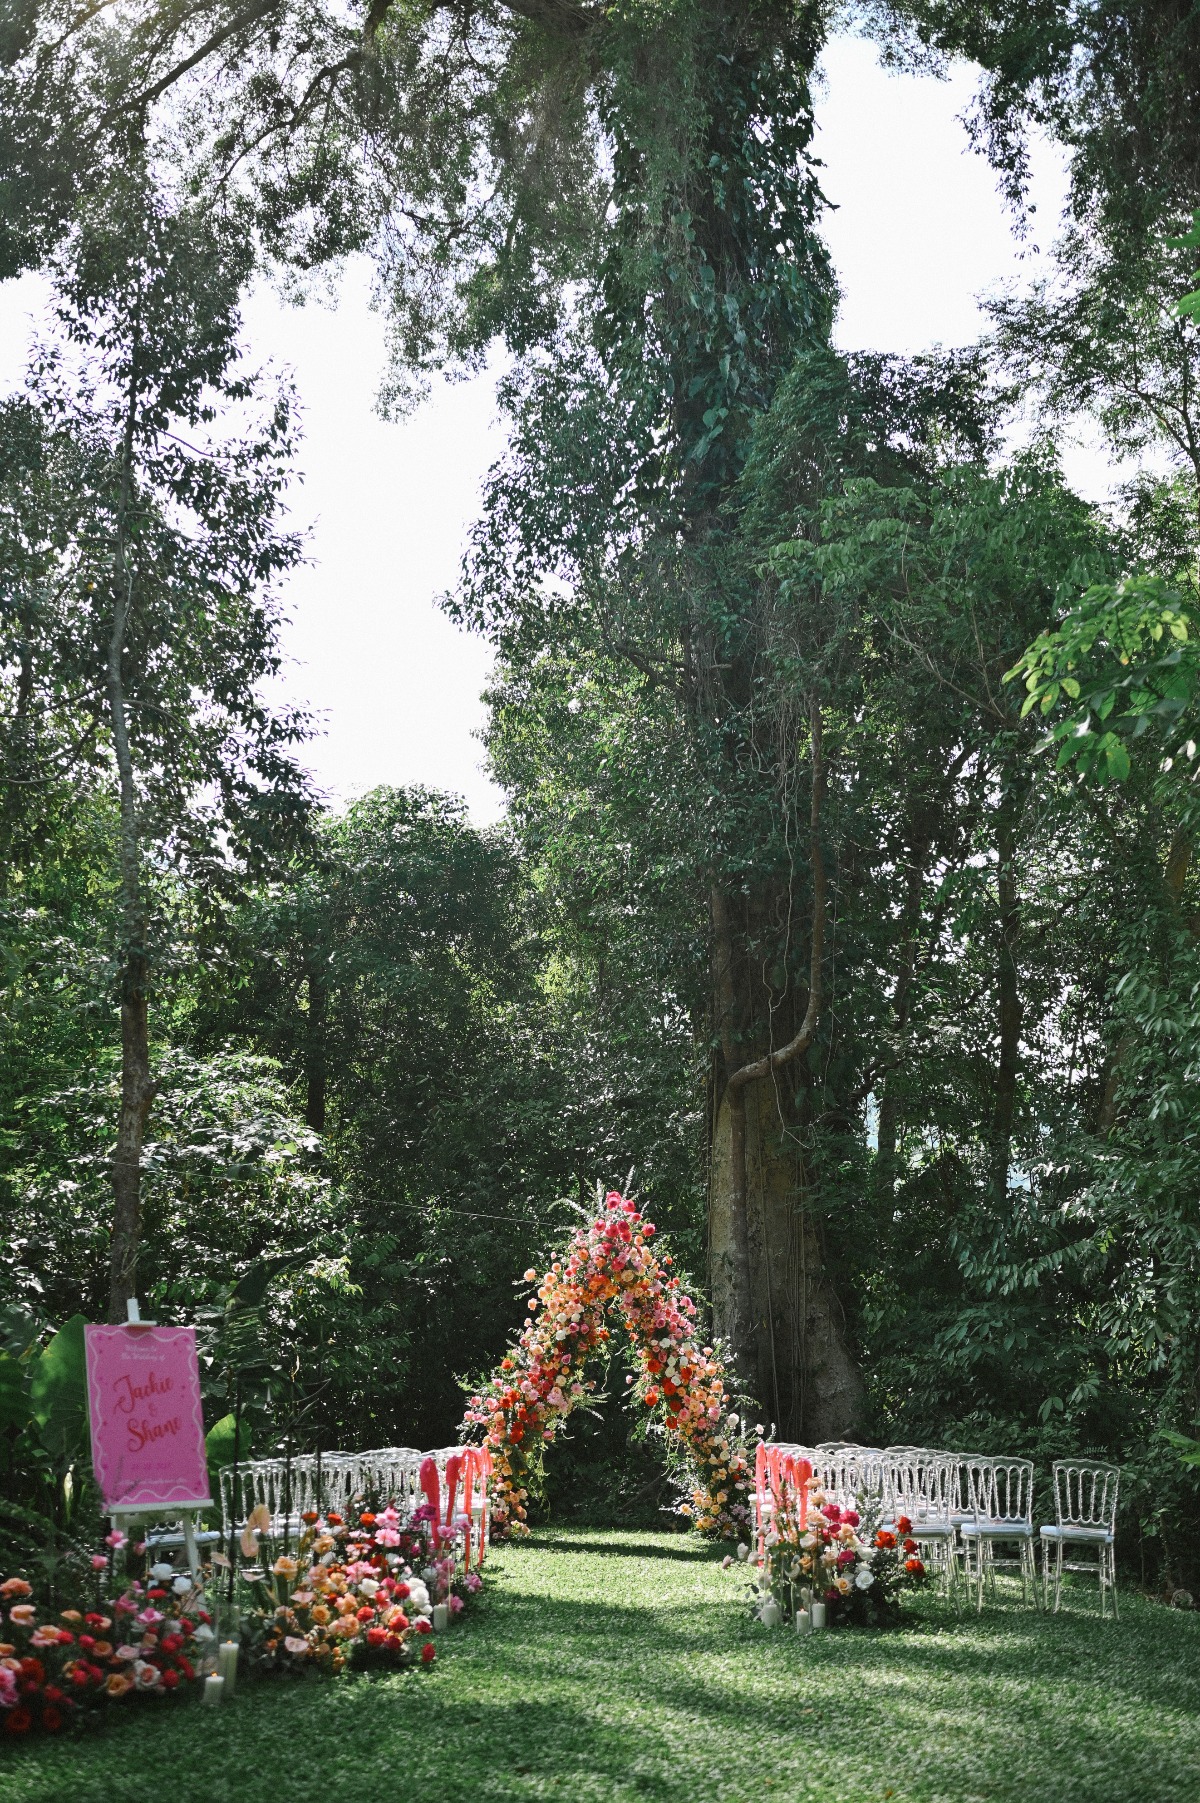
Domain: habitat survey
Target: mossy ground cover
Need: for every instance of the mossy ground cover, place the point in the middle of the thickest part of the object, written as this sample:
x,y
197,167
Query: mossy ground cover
x,y
622,1668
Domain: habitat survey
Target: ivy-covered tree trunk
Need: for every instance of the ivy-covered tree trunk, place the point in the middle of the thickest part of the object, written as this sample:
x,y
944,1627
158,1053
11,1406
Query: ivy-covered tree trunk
x,y
800,1367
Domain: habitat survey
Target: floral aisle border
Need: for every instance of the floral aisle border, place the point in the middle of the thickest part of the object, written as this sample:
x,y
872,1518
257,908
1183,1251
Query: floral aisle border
x,y
607,1263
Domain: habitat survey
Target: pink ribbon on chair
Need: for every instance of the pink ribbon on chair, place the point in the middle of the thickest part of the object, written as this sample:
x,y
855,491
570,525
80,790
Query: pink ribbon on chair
x,y
801,1478
431,1485
453,1466
761,1462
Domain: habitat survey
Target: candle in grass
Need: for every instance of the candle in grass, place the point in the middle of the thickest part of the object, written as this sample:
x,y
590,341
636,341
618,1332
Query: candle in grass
x,y
770,1614
818,1615
441,1617
214,1689
803,1622
227,1664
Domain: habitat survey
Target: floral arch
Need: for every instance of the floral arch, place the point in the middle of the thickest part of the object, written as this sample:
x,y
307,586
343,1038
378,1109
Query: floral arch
x,y
605,1266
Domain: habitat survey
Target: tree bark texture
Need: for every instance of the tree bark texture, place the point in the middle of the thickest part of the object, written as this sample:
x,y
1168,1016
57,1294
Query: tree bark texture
x,y
772,1299
1010,1013
803,1372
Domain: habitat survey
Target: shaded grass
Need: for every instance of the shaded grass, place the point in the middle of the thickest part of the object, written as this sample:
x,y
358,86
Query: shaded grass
x,y
623,1668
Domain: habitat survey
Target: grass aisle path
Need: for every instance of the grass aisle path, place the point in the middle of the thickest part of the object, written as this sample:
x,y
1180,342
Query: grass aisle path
x,y
622,1668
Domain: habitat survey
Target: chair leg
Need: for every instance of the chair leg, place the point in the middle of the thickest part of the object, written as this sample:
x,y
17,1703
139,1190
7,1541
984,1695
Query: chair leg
x,y
1058,1568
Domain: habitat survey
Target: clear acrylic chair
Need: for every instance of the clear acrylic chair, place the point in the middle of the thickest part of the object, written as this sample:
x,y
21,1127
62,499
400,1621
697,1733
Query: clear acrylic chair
x,y
1001,1505
918,1487
1085,1511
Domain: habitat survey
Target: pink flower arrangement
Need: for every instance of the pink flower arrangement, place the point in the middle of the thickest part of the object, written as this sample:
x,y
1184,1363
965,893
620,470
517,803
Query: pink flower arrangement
x,y
608,1262
841,1557
361,1594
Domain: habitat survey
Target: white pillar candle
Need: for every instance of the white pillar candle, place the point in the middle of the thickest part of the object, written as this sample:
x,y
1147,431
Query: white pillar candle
x,y
818,1615
227,1664
803,1622
441,1617
214,1688
770,1615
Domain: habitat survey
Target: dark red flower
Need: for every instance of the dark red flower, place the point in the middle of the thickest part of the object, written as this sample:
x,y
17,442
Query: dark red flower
x,y
428,1653
18,1720
52,1719
377,1636
170,1680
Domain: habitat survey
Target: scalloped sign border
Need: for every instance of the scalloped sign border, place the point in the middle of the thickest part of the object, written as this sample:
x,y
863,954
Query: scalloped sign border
x,y
143,1388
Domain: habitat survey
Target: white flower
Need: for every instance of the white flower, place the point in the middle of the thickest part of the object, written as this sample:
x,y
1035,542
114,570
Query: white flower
x,y
418,1597
181,1586
162,1572
743,1551
368,1586
864,1577
202,1631
145,1675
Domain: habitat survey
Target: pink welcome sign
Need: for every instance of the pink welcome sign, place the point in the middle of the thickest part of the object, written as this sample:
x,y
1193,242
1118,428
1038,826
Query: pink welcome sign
x,y
143,1386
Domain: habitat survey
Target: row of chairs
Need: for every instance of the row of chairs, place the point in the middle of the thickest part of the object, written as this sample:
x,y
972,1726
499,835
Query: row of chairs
x,y
971,1513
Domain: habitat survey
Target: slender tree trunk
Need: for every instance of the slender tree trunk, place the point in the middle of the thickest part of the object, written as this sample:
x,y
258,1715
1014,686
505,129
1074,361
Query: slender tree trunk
x,y
316,1072
16,759
137,1089
1011,1012
729,1245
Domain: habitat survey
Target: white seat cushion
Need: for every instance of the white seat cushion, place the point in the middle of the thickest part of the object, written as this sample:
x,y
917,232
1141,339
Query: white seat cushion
x,y
998,1530
1097,1536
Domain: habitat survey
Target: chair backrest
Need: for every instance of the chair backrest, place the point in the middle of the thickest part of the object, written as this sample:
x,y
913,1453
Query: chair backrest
x,y
1011,1490
1085,1494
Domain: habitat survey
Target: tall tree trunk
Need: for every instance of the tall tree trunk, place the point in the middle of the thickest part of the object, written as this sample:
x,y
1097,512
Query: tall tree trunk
x,y
771,1296
1010,1010
137,1089
729,1229
316,1072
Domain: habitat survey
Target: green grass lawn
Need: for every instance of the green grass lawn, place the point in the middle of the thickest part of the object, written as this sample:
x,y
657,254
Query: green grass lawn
x,y
607,1667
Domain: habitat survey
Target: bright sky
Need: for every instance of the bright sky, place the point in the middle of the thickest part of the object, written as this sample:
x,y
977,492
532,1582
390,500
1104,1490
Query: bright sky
x,y
919,232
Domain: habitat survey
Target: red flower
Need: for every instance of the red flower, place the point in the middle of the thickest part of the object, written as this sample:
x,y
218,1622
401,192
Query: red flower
x,y
18,1720
366,1520
52,1719
903,1524
156,1595
428,1653
335,1520
851,1518
910,1546
915,1566
33,1671
845,1558
170,1680
884,1539
377,1636
53,1694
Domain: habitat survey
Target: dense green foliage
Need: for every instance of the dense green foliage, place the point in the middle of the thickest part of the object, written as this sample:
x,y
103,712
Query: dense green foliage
x,y
847,891
610,1667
